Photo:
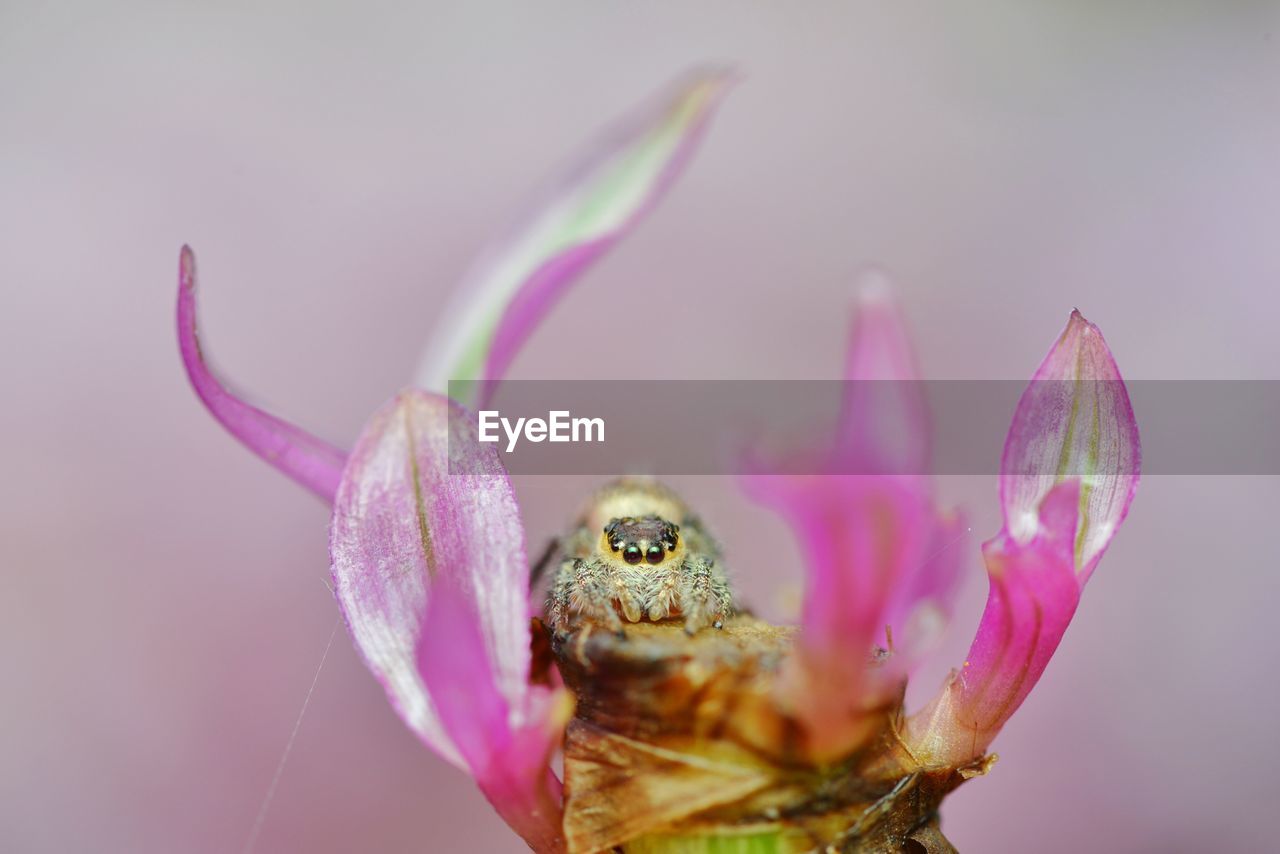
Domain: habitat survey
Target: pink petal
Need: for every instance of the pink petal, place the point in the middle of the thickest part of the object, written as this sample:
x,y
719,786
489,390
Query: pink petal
x,y
1068,475
1034,593
537,296
922,603
509,763
860,536
1074,419
884,427
459,677
584,213
882,562
884,423
864,539
311,462
430,571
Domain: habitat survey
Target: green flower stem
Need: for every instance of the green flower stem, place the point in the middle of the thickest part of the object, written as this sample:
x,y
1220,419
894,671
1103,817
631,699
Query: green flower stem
x,y
768,842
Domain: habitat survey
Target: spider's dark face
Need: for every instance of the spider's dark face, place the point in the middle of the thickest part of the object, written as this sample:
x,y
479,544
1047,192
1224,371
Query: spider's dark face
x,y
644,538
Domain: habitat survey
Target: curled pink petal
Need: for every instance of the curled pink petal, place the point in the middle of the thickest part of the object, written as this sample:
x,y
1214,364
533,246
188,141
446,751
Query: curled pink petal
x,y
884,420
430,570
583,214
1074,419
311,462
1034,593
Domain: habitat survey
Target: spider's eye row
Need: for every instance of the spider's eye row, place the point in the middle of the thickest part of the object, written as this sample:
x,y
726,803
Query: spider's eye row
x,y
632,554
654,555
615,544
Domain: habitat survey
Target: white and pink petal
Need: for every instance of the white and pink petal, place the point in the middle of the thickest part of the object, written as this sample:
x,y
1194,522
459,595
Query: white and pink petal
x,y
1073,420
430,571
582,214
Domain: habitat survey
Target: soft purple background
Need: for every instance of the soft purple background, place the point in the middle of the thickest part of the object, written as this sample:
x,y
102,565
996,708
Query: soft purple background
x,y
164,608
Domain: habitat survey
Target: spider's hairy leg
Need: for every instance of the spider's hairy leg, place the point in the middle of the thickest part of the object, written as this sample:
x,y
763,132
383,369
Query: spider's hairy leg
x,y
628,589
561,595
663,591
584,586
705,598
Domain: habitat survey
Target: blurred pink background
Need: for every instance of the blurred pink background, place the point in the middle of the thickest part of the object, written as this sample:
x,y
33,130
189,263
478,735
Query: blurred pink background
x,y
335,167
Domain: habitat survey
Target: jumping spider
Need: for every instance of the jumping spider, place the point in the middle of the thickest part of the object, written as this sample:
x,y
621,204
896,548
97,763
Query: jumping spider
x,y
628,558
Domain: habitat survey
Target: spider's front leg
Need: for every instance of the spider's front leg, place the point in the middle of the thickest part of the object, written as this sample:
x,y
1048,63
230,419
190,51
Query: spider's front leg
x,y
628,591
704,594
585,587
662,594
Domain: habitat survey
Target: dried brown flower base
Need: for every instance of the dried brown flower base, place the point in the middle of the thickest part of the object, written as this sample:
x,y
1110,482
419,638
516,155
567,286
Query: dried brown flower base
x,y
679,745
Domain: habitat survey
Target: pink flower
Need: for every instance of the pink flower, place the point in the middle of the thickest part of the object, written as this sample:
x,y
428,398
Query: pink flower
x,y
431,572
883,562
1067,477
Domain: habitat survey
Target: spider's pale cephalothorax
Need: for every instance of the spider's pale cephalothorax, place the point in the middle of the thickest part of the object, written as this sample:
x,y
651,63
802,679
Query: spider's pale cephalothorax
x,y
638,553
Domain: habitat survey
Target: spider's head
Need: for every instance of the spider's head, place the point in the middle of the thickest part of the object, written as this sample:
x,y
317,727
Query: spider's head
x,y
643,538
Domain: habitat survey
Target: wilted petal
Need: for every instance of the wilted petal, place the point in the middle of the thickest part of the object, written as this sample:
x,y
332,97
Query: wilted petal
x,y
1034,593
430,571
582,215
884,421
1074,419
313,463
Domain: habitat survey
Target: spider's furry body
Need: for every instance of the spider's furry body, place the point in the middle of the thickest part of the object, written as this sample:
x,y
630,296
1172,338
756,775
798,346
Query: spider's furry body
x,y
638,553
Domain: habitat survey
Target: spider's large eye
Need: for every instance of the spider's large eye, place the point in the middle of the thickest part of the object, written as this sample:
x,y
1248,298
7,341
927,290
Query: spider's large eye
x,y
631,554
654,555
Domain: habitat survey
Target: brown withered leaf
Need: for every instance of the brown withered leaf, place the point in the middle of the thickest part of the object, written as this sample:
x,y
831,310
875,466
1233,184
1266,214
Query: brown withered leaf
x,y
659,785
